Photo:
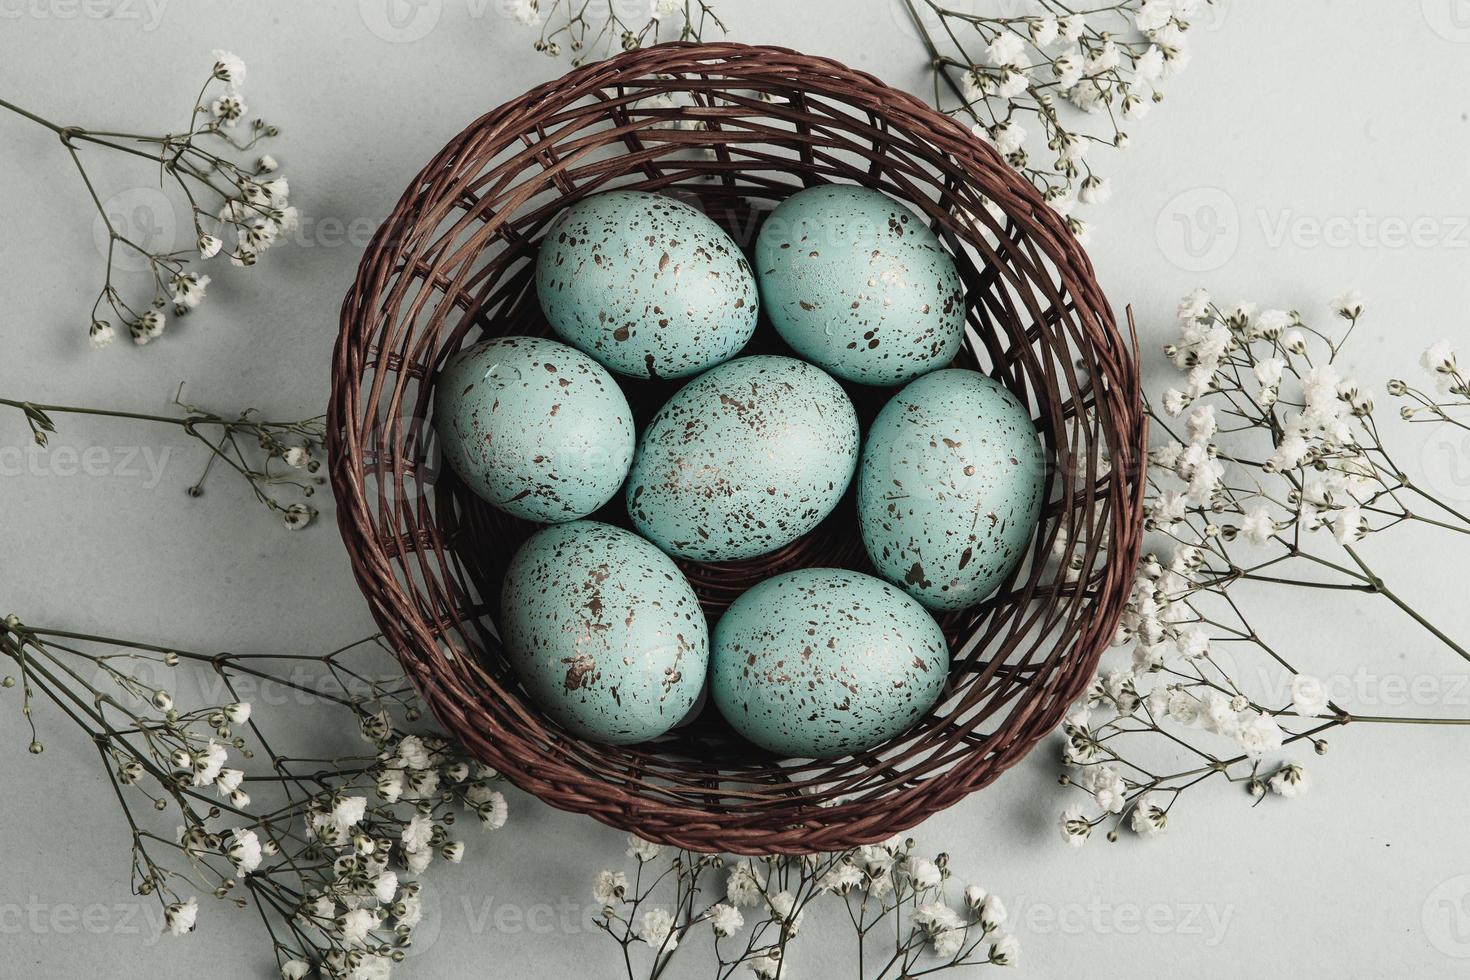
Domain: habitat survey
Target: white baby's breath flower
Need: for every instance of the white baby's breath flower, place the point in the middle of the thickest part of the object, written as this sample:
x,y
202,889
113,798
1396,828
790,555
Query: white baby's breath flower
x,y
1008,137
1012,84
180,916
1349,305
1290,780
643,850
390,785
1005,951
1074,826
1193,306
1268,371
1148,817
491,809
229,109
843,877
1108,788
744,886
208,762
297,516
1439,361
238,712
1257,525
188,291
935,918
147,327
295,969
765,965
1066,68
348,811
1347,524
609,887
417,833
1169,507
1259,734
244,851
228,781
1183,708
1201,424
1152,15
297,457
1043,30
783,909
354,926
992,914
1149,66
229,68
1308,695
1095,190
725,920
385,886
656,928
923,872
1006,50
101,334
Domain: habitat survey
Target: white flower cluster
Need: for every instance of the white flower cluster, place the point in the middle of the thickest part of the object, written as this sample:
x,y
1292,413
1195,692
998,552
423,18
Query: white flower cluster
x,y
254,213
1240,351
1108,63
1268,448
591,31
324,852
772,896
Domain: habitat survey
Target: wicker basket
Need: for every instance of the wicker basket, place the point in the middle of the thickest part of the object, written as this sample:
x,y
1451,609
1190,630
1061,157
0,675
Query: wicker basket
x,y
734,129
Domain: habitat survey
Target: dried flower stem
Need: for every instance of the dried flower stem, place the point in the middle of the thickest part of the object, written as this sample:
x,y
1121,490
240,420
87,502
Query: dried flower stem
x,y
285,450
310,838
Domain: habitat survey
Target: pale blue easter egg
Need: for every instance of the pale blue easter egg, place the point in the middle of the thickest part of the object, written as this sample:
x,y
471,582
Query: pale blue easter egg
x,y
950,487
857,283
534,427
744,459
604,632
648,285
823,662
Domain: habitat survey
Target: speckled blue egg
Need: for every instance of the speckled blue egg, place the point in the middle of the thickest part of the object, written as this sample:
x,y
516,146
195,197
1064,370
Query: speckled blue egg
x,y
824,662
648,285
857,283
744,459
604,632
950,487
535,427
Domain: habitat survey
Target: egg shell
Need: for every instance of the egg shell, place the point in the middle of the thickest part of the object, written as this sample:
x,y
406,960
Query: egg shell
x,y
950,487
648,285
857,283
604,632
534,427
744,459
823,662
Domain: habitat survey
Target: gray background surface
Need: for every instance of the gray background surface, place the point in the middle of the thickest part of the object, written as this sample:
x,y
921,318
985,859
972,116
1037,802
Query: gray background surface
x,y
1304,134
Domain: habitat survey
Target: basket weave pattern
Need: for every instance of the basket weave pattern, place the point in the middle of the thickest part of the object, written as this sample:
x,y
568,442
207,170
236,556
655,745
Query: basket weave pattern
x,y
733,129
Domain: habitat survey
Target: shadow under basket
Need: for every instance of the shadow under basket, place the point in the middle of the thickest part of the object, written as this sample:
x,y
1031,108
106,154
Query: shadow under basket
x,y
734,130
